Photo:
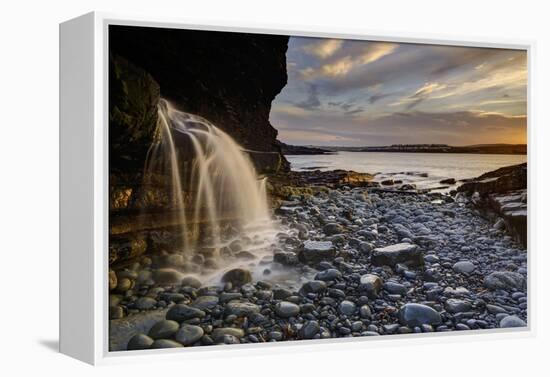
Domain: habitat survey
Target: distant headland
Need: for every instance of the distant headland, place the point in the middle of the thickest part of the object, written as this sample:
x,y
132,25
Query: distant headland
x,y
410,148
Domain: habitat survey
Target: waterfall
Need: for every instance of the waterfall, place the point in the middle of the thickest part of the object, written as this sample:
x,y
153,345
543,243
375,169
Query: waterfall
x,y
212,181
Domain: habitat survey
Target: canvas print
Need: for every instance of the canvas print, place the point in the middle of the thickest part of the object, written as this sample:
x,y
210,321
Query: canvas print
x,y
272,188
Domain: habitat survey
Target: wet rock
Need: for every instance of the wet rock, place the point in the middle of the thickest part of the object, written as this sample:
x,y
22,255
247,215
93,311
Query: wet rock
x,y
287,309
281,293
145,303
413,314
219,333
395,288
365,247
505,280
365,312
116,312
124,285
329,275
286,258
313,252
314,286
205,302
453,306
112,280
347,308
165,343
189,334
139,342
332,228
226,297
404,253
191,281
512,321
164,329
245,255
241,309
167,276
237,277
371,284
182,312
464,267
310,329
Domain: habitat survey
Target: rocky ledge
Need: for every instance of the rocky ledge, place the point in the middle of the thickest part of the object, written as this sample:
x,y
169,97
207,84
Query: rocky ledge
x,y
372,263
501,196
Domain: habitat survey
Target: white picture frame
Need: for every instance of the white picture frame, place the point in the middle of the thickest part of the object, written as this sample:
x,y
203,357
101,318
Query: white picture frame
x,y
84,189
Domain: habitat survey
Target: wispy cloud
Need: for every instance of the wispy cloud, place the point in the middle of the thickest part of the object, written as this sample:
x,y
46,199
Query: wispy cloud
x,y
343,65
323,48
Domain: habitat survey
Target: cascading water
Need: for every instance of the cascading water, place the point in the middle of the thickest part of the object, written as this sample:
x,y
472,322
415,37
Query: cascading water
x,y
213,182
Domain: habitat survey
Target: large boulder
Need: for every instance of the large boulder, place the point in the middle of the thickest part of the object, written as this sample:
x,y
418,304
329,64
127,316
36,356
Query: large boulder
x,y
404,253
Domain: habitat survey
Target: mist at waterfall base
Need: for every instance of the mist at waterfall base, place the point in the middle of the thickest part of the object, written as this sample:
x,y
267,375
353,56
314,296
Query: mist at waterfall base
x,y
217,198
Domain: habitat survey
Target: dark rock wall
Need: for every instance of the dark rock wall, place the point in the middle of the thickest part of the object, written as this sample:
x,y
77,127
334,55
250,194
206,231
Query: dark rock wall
x,y
228,78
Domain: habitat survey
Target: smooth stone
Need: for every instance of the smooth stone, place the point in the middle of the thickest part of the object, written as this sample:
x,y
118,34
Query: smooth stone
x,y
454,305
328,275
505,280
165,343
237,277
413,314
512,321
464,267
145,303
182,312
167,276
226,297
287,309
139,342
164,329
205,302
347,308
276,335
332,228
189,334
314,286
365,312
191,281
241,309
395,288
405,253
371,284
495,309
112,280
220,332
365,247
313,252
286,258
310,329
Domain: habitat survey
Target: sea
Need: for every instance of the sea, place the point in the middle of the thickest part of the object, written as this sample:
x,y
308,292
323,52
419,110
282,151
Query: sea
x,y
425,170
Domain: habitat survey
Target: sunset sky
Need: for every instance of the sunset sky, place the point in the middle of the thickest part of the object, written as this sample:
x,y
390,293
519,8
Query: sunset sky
x,y
354,93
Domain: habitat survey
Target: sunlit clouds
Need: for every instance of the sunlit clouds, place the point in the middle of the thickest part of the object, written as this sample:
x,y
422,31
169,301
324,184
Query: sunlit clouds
x,y
323,48
373,93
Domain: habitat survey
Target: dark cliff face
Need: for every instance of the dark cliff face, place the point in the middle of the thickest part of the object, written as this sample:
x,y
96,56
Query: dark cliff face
x,y
228,78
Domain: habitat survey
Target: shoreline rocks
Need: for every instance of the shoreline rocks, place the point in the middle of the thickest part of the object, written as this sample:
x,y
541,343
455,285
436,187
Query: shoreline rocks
x,y
393,263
